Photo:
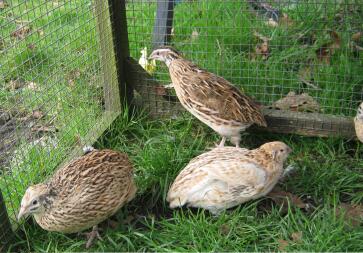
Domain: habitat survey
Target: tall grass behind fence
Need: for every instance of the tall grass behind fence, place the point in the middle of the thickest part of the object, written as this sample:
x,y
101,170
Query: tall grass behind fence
x,y
266,48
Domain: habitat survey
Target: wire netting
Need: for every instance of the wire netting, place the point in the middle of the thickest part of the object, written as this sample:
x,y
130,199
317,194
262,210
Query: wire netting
x,y
57,56
266,48
52,96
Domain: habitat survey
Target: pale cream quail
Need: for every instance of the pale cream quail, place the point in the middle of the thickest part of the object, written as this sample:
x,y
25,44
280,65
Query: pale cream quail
x,y
210,98
358,122
228,176
81,194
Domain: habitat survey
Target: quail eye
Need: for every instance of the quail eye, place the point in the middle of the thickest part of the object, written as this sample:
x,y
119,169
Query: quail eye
x,y
157,53
281,150
35,202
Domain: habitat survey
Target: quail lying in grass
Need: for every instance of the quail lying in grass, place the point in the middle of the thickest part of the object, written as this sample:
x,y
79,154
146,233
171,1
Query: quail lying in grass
x,y
228,176
358,122
210,98
82,194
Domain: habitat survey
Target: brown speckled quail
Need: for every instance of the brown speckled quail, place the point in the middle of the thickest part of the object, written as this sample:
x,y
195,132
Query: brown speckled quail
x,y
81,194
210,98
228,176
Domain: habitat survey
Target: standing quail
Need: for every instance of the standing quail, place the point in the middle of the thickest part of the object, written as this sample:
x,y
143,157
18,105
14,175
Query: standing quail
x,y
81,194
228,176
210,98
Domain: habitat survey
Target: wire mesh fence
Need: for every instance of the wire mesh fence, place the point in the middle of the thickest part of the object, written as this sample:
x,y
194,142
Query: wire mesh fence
x,y
301,56
59,77
58,88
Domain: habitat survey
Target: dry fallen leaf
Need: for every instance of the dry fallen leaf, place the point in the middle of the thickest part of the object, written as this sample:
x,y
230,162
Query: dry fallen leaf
x,y
2,4
261,49
73,76
272,23
282,244
305,76
336,40
32,85
31,46
325,52
112,224
356,37
160,90
44,129
283,199
286,21
78,140
2,43
261,37
352,214
129,219
194,35
21,32
297,236
15,84
224,229
40,32
38,114
297,102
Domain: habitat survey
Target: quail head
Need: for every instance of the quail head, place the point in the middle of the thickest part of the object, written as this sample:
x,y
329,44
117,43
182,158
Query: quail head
x,y
210,98
228,176
81,194
358,122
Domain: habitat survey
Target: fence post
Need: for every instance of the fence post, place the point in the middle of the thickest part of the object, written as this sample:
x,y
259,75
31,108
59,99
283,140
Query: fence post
x,y
121,47
6,232
163,22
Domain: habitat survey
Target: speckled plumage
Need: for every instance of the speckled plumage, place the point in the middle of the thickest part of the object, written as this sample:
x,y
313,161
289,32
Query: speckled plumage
x,y
210,98
358,122
83,193
228,176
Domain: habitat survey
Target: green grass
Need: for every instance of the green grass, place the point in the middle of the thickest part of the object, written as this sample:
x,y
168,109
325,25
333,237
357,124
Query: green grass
x,y
66,47
329,171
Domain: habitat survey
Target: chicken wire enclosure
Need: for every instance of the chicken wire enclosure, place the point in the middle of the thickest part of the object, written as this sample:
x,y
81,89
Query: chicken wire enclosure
x,y
58,89
308,52
65,68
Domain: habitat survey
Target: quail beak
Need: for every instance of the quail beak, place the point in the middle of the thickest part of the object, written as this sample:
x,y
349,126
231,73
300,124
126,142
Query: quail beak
x,y
152,56
22,213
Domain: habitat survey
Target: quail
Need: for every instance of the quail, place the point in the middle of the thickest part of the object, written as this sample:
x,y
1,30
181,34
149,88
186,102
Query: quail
x,y
210,98
81,194
228,176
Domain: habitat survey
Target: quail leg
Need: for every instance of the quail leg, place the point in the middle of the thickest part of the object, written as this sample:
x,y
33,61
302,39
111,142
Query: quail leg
x,y
222,142
236,140
91,236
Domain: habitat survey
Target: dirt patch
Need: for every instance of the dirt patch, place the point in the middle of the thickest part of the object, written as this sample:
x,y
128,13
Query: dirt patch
x,y
16,127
